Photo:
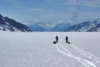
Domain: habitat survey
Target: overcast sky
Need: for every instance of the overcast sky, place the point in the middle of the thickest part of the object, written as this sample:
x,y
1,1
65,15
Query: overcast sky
x,y
30,11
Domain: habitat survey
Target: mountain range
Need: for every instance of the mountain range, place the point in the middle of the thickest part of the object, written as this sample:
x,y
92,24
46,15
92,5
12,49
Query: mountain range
x,y
49,26
88,26
7,24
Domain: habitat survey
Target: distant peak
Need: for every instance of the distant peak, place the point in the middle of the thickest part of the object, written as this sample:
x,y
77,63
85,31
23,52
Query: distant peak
x,y
1,16
98,19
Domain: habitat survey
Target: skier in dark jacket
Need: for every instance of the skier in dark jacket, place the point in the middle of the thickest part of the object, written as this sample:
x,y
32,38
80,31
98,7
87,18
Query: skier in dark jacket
x,y
56,39
66,39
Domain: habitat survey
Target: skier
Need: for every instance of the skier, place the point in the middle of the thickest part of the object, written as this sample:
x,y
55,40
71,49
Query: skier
x,y
66,39
56,39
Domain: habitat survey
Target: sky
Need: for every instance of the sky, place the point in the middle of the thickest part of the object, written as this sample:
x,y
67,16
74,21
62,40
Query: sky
x,y
50,11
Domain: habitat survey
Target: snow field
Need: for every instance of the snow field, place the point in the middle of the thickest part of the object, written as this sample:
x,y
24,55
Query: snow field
x,y
37,50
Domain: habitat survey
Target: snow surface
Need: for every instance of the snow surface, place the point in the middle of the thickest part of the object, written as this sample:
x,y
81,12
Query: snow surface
x,y
19,49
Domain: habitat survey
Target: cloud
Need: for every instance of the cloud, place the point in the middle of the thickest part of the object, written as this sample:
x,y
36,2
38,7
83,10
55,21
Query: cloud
x,y
55,16
14,3
65,21
75,14
89,3
35,9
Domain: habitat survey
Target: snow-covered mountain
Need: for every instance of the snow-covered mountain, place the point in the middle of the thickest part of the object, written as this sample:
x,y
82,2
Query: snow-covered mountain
x,y
88,26
41,26
7,24
61,26
49,26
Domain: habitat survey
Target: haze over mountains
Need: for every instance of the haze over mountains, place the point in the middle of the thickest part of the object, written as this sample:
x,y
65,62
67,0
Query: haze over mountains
x,y
49,26
86,26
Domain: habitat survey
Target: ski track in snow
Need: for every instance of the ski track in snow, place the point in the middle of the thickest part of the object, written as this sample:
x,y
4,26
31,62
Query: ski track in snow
x,y
84,62
87,55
